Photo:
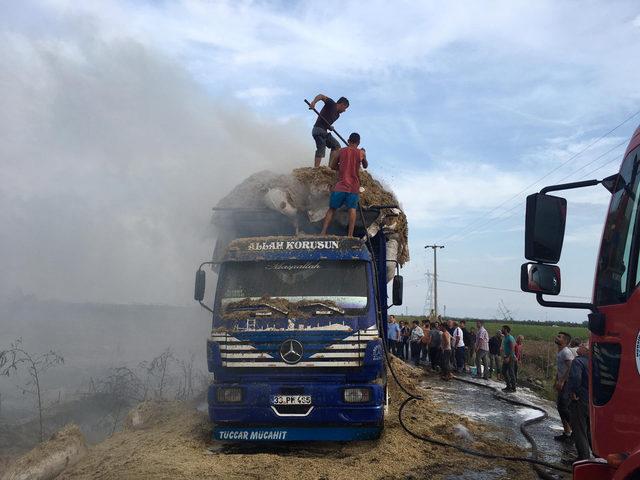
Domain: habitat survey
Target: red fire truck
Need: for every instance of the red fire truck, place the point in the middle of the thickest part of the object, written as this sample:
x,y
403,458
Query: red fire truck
x,y
614,318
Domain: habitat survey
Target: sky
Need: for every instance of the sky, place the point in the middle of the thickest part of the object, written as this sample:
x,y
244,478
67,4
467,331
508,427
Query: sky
x,y
123,122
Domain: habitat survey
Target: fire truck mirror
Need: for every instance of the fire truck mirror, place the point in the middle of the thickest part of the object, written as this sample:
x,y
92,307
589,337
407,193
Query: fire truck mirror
x,y
397,290
540,278
200,285
544,228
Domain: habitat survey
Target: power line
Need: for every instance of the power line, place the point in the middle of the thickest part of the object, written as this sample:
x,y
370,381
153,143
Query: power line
x,y
609,161
572,157
501,289
521,203
488,287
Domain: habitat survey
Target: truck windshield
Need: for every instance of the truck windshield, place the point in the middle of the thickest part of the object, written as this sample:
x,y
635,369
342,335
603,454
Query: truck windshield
x,y
341,284
618,262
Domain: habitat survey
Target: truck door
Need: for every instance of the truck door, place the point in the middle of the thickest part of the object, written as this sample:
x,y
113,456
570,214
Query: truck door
x,y
615,356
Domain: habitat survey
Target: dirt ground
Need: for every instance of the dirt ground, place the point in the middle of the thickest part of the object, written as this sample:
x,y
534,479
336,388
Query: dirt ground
x,y
174,444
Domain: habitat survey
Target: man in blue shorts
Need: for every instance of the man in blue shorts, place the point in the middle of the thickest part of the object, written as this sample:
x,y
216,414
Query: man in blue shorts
x,y
347,190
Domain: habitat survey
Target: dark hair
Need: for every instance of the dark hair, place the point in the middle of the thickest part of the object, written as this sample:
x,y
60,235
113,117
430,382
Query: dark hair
x,y
416,322
567,337
507,328
354,138
343,100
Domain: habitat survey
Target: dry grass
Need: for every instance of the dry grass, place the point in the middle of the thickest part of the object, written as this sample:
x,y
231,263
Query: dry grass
x,y
308,188
175,446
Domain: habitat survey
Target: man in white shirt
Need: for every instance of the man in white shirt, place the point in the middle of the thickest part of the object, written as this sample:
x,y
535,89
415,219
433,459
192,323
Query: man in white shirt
x,y
482,351
458,344
414,339
564,358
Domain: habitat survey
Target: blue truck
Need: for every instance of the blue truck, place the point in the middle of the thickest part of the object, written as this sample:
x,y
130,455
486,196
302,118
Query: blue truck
x,y
296,348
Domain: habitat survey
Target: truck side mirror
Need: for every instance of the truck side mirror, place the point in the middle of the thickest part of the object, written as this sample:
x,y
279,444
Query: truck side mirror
x,y
544,228
540,278
198,294
397,290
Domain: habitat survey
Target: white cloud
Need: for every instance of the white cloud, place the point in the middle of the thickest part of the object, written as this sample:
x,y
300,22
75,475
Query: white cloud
x,y
457,98
459,190
584,234
112,158
317,40
260,96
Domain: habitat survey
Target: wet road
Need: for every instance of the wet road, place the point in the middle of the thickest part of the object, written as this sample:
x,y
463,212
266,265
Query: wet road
x,y
474,402
479,404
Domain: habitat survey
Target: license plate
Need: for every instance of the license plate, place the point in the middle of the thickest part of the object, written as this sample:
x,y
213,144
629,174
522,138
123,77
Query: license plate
x,y
291,400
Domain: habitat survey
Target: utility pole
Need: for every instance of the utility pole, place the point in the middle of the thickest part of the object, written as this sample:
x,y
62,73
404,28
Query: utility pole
x,y
428,300
435,277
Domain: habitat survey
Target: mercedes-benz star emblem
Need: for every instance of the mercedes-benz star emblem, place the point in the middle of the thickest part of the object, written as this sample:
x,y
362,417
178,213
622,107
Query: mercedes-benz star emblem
x,y
291,351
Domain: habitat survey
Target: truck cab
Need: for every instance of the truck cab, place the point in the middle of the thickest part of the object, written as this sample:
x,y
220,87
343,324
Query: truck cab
x,y
614,321
296,348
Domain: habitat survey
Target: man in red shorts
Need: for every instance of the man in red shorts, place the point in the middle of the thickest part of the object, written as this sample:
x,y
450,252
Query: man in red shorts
x,y
347,190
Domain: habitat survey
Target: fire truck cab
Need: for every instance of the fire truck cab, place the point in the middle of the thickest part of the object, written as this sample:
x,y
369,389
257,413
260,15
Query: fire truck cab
x,y
614,318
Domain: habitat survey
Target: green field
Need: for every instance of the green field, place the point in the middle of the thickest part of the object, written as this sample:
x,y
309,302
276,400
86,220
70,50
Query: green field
x,y
530,330
537,332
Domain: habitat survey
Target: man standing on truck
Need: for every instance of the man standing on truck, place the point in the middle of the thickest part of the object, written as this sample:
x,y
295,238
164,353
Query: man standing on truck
x,y
347,190
320,132
564,358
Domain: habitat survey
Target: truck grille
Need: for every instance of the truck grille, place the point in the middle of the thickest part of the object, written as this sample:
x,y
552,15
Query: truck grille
x,y
261,349
292,410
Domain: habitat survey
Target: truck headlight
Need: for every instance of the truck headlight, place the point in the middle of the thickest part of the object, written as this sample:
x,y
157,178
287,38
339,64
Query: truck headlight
x,y
357,395
229,394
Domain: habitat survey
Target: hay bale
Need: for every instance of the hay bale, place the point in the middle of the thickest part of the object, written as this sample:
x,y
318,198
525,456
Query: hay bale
x,y
145,415
250,193
307,190
50,458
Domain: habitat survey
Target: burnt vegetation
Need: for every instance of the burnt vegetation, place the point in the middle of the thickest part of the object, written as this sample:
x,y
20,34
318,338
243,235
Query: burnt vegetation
x,y
101,405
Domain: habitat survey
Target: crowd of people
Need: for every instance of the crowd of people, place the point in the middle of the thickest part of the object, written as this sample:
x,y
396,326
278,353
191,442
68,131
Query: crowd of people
x,y
448,346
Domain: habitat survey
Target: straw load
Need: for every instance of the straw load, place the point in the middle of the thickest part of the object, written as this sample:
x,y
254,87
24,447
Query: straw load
x,y
303,197
46,461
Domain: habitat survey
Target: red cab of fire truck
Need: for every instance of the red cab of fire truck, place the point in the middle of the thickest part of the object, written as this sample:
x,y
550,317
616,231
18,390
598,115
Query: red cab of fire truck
x,y
614,318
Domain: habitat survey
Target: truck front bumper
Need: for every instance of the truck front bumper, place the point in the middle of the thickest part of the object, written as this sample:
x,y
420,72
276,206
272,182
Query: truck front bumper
x,y
294,434
327,417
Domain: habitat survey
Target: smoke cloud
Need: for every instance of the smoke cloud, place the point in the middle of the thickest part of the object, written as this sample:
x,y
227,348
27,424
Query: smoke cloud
x,y
111,158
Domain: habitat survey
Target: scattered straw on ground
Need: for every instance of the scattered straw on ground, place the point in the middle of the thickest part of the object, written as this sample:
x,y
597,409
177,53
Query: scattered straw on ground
x,y
48,459
176,446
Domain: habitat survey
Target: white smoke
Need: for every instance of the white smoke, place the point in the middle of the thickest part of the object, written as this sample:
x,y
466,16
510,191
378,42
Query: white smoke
x,y
111,159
